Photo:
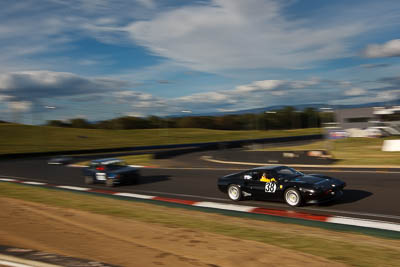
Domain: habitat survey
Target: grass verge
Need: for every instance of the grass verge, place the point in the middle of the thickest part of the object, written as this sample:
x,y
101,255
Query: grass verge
x,y
352,249
350,151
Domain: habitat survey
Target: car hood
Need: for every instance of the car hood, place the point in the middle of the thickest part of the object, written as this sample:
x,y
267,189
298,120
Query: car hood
x,y
310,179
318,181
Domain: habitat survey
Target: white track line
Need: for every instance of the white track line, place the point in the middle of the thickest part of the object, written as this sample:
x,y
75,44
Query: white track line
x,y
377,215
365,223
13,264
8,180
133,195
224,206
13,261
73,188
33,183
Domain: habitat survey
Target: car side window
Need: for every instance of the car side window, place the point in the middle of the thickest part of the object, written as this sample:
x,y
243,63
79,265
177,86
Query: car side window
x,y
257,175
286,171
275,175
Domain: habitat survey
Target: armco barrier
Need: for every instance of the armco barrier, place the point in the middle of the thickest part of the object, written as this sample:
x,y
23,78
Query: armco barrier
x,y
208,145
313,157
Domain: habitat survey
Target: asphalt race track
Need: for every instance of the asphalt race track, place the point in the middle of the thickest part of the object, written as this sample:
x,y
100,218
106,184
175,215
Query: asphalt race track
x,y
371,194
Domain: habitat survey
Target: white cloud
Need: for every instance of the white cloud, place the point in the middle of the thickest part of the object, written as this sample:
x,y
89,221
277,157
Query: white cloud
x,y
279,93
374,66
52,27
134,114
388,95
36,85
5,98
355,92
128,96
259,94
367,98
264,85
20,106
388,49
241,34
147,3
276,87
144,102
210,97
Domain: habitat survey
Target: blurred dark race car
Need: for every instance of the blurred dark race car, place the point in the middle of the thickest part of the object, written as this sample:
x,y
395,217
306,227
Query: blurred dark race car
x,y
281,183
110,172
60,160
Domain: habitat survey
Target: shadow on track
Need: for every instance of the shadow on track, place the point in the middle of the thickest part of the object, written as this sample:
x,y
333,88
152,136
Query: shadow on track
x,y
152,179
349,196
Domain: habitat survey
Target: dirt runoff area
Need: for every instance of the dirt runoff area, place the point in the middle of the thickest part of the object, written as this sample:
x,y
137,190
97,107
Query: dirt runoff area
x,y
127,242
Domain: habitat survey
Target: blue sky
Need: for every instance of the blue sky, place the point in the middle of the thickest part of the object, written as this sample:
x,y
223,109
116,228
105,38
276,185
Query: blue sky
x,y
98,59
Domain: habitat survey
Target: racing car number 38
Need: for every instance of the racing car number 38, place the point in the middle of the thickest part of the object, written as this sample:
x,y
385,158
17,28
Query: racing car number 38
x,y
270,187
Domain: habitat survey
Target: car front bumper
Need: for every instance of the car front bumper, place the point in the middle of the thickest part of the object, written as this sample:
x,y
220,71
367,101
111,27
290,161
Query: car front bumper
x,y
324,197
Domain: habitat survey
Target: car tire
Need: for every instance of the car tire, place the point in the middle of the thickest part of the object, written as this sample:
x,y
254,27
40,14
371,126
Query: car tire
x,y
89,180
234,192
293,197
110,183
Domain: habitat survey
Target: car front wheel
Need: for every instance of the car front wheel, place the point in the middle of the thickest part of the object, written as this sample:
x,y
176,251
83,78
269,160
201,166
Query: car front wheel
x,y
293,197
89,180
234,192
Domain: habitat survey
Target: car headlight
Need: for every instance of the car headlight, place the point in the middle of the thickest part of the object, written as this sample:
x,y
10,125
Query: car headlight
x,y
114,176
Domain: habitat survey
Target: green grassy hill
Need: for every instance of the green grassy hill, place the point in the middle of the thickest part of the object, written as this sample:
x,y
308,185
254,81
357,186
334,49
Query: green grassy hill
x,y
16,138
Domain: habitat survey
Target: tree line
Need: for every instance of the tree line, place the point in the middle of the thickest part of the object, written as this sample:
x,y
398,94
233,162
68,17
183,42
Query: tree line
x,y
285,118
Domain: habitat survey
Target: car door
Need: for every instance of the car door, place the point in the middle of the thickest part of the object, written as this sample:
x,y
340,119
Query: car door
x,y
253,183
263,189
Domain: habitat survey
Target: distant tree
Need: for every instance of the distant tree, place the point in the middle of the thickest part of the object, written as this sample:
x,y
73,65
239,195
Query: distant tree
x,y
285,118
309,118
230,122
155,122
326,117
57,123
195,122
79,123
128,122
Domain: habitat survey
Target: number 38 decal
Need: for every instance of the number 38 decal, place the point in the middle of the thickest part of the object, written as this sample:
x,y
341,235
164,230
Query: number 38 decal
x,y
270,187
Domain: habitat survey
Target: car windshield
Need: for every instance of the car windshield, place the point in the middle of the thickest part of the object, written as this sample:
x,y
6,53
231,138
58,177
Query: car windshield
x,y
286,171
116,165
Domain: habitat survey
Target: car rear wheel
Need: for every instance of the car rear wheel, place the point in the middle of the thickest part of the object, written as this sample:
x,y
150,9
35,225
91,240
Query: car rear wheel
x,y
89,180
234,192
293,197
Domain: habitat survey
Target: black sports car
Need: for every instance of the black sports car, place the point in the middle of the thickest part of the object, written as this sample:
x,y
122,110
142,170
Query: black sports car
x,y
281,183
110,172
